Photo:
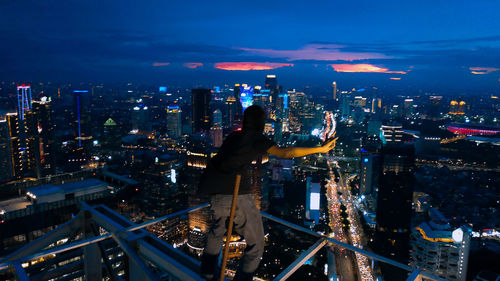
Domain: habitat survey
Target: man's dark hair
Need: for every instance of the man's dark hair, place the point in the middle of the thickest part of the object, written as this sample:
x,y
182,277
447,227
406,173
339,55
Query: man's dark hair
x,y
254,118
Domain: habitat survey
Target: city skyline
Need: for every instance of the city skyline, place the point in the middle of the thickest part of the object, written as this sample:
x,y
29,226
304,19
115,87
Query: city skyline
x,y
402,46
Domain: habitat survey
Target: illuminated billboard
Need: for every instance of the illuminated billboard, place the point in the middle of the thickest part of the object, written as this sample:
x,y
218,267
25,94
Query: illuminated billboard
x,y
246,96
314,201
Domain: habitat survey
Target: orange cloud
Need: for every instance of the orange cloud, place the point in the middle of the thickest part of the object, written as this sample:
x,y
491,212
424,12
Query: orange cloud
x,y
395,78
161,63
482,70
193,65
245,66
323,52
363,67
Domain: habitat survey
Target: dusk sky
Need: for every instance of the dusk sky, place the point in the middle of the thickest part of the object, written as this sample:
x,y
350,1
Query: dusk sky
x,y
430,45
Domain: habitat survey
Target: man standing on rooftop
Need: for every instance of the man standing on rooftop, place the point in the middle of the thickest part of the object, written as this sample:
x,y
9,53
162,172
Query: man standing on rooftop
x,y
234,157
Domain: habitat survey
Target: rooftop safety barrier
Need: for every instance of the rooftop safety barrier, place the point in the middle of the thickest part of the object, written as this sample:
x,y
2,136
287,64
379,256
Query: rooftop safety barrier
x,y
101,230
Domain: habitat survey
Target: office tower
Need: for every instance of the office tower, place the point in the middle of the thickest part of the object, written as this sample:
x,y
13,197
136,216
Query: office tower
x,y
19,153
376,105
392,133
81,114
313,189
440,249
231,113
408,108
216,135
40,138
111,135
5,151
345,106
370,164
140,119
434,107
200,100
217,117
334,85
278,131
396,181
174,125
271,84
23,100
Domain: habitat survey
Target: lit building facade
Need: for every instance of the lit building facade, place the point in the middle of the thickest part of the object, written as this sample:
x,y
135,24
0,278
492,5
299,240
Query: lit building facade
x,y
40,138
174,126
200,101
441,250
5,152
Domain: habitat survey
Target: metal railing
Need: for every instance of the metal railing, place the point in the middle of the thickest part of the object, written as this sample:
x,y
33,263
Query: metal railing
x,y
14,261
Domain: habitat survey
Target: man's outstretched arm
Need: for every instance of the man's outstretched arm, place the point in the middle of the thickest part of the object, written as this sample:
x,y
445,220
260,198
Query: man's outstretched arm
x,y
292,152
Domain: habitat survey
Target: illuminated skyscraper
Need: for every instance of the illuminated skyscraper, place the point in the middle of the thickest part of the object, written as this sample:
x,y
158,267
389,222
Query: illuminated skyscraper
x,y
434,107
231,113
216,135
441,250
200,100
140,119
217,117
5,152
19,154
174,127
40,138
81,118
23,100
334,85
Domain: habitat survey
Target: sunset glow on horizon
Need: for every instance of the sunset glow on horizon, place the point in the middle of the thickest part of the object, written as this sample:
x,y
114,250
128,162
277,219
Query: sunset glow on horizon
x,y
245,66
192,65
482,70
161,63
363,67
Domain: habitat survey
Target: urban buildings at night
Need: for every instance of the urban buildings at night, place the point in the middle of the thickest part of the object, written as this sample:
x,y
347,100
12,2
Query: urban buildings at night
x,y
107,126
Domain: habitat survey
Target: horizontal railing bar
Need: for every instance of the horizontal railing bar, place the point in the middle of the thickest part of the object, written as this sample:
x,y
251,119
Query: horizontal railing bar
x,y
348,246
166,217
85,242
57,250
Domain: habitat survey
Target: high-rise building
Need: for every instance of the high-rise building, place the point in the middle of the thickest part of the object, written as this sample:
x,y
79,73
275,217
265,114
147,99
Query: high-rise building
x,y
174,126
231,113
441,250
434,107
111,135
140,119
200,100
5,151
334,85
217,117
19,152
216,135
23,100
40,138
394,198
81,118
271,84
